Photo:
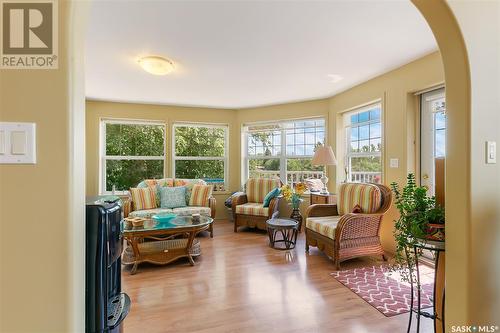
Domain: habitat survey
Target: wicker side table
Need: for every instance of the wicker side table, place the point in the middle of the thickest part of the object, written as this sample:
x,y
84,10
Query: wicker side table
x,y
288,228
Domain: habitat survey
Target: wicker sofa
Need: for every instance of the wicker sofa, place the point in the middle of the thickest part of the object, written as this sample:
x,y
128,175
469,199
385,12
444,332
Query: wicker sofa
x,y
129,207
248,208
343,234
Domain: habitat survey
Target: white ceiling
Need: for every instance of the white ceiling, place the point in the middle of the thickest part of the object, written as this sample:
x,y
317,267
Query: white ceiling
x,y
247,53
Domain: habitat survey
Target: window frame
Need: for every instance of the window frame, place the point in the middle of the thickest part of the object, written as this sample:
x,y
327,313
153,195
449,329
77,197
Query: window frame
x,y
347,125
283,157
224,158
103,158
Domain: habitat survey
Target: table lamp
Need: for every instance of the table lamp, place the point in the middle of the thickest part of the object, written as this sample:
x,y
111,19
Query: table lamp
x,y
324,156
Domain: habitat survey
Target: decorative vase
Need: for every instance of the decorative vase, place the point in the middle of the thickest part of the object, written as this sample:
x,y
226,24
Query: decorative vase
x,y
297,216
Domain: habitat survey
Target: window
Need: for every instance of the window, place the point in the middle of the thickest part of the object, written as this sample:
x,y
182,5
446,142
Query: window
x,y
130,152
363,159
283,149
200,151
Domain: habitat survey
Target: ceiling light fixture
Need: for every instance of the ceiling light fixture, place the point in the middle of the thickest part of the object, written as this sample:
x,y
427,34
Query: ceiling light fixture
x,y
334,78
156,65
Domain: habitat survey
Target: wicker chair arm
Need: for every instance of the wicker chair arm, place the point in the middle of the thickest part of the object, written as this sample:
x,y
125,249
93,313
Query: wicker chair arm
x,y
212,204
354,225
274,207
238,200
318,210
127,206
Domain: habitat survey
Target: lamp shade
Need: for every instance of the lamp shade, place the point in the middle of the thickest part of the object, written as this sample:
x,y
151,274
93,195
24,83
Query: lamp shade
x,y
324,156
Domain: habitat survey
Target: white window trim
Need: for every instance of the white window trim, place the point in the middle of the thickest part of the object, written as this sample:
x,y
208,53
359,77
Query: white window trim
x,y
347,140
102,149
224,158
282,157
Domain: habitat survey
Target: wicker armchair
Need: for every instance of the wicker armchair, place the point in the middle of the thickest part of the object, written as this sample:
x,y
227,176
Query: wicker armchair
x,y
343,234
248,209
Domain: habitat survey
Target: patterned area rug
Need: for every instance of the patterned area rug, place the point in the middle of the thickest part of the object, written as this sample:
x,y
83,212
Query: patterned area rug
x,y
384,290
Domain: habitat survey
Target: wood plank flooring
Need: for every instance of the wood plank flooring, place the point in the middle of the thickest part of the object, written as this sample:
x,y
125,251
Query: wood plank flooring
x,y
239,284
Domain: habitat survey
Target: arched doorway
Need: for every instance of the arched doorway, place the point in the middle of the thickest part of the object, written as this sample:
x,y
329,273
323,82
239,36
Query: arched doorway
x,y
454,57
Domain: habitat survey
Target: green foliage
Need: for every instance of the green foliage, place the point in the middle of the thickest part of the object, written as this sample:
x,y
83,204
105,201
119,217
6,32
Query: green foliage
x,y
125,174
366,163
416,211
133,140
199,141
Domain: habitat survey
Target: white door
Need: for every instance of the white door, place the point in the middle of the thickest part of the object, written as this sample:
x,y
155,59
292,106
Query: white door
x,y
432,137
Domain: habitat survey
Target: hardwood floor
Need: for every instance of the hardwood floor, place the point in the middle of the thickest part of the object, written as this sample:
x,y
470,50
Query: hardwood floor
x,y
239,284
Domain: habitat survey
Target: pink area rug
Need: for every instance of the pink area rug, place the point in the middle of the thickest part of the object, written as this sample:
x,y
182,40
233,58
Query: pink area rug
x,y
384,290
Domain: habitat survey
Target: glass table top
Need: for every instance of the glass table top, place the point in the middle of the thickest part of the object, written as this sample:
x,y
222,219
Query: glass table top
x,y
178,222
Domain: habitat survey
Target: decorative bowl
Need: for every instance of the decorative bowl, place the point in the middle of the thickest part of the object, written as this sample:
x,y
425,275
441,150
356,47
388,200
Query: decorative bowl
x,y
164,217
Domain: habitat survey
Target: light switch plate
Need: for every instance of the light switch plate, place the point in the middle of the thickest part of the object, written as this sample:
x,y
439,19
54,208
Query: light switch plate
x,y
491,152
394,162
19,143
2,142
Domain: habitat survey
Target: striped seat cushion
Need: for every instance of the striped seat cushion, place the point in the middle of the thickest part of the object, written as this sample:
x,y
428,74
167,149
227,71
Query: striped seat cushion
x,y
324,225
200,195
258,188
190,210
252,208
147,213
144,198
367,196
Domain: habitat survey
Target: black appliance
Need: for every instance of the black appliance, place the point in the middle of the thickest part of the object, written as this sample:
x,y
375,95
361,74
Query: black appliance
x,y
105,305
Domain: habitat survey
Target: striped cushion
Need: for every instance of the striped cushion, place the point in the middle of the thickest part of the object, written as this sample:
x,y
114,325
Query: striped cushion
x,y
258,188
188,184
169,182
325,225
200,195
367,196
252,208
144,198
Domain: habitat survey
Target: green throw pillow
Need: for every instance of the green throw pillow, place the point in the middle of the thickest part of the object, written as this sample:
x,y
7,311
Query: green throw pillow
x,y
172,197
273,194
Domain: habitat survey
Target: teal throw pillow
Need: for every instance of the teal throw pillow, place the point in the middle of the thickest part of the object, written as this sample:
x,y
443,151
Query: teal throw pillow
x,y
172,197
273,194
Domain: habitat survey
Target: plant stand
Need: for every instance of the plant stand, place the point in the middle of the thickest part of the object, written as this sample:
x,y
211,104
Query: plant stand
x,y
438,248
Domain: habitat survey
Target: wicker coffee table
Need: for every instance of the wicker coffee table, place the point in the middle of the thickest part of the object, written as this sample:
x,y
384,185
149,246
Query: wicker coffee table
x,y
163,242
287,228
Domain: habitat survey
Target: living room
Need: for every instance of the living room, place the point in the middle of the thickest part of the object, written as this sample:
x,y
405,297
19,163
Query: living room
x,y
316,108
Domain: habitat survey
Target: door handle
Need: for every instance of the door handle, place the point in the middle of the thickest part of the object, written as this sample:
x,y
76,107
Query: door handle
x,y
426,176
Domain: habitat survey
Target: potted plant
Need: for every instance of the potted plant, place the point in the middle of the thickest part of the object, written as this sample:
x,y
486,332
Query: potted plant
x,y
294,196
421,219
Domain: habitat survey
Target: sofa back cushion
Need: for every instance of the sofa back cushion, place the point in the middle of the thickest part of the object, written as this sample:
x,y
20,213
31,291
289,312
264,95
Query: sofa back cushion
x,y
172,197
367,196
258,188
154,182
200,195
188,184
144,198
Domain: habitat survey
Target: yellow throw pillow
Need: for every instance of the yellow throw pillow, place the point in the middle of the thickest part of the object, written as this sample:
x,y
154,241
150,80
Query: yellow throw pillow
x,y
144,198
200,195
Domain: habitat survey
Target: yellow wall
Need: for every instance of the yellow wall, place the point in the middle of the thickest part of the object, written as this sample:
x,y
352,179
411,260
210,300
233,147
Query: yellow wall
x,y
95,110
477,236
35,199
396,91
